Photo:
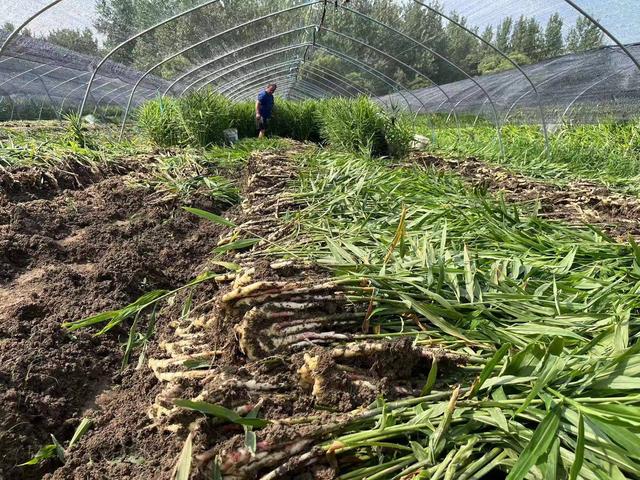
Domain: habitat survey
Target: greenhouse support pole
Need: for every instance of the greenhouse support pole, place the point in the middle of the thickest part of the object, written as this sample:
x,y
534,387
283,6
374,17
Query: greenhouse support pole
x,y
611,36
322,14
311,88
595,84
82,86
95,108
512,62
404,65
337,76
284,80
249,76
246,62
547,80
126,85
449,62
202,42
128,108
5,94
33,71
292,76
134,37
53,89
352,60
44,85
227,54
252,82
320,82
422,105
208,75
16,32
287,88
150,93
38,77
246,80
376,73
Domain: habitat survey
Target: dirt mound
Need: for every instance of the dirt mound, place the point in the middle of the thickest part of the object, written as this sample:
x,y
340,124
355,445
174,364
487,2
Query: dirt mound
x,y
67,254
30,183
354,374
576,202
273,337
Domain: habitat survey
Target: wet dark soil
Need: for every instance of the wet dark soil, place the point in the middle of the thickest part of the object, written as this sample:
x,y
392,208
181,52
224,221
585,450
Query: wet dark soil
x,y
75,243
577,202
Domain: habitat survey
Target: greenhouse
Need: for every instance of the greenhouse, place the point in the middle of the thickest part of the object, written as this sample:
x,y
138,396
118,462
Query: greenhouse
x,y
320,239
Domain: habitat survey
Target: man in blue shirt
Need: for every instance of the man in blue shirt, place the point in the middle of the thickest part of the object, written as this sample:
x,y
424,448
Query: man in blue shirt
x,y
264,108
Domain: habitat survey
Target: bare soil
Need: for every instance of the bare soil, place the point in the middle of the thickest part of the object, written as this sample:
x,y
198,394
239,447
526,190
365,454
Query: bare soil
x,y
577,202
75,243
276,337
260,338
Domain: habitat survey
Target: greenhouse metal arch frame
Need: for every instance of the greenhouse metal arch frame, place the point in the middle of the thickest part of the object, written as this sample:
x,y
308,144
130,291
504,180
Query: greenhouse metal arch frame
x,y
325,3
328,73
154,27
240,81
318,27
319,81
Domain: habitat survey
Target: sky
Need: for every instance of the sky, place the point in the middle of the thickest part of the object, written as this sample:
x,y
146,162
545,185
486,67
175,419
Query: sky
x,y
67,14
622,17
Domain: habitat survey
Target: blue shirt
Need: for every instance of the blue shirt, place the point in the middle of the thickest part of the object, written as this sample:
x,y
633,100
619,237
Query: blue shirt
x,y
266,104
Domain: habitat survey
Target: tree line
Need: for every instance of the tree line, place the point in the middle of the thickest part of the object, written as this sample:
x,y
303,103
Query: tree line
x,y
78,40
452,52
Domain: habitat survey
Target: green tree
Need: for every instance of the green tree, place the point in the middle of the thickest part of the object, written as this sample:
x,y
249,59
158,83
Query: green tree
x,y
487,36
503,35
553,40
461,48
584,36
117,21
81,41
7,27
425,26
497,63
527,39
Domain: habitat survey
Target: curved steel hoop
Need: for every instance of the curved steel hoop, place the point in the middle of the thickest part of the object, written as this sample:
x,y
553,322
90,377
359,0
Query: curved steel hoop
x,y
328,72
245,62
331,86
240,83
506,57
396,86
33,72
206,40
227,54
593,85
309,87
16,32
134,37
285,81
613,38
449,62
308,90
